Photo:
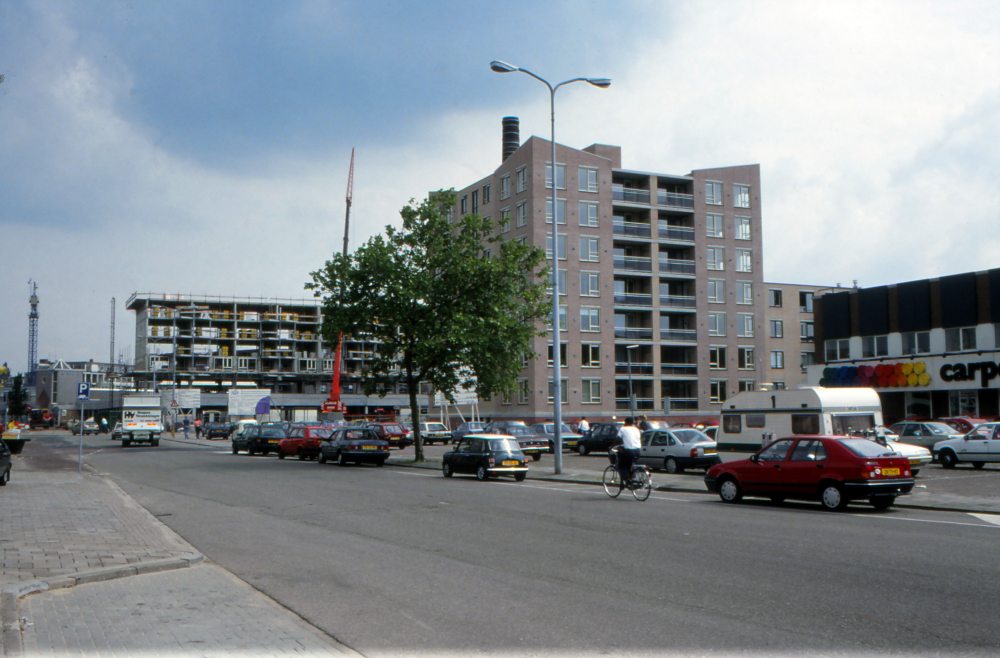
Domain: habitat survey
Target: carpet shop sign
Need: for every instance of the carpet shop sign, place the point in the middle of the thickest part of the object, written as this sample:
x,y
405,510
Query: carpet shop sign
x,y
984,371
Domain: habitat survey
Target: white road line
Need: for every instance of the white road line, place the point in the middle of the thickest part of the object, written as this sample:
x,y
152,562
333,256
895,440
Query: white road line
x,y
989,518
897,518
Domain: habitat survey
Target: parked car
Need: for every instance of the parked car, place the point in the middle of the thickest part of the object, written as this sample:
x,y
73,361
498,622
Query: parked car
x,y
391,433
962,424
354,445
531,444
676,449
486,456
433,432
470,427
570,439
303,441
89,427
212,430
262,438
602,437
979,446
711,431
5,464
116,433
924,434
833,470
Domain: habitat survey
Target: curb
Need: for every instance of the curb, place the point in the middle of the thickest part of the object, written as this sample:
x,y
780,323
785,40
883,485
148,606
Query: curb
x,y
10,624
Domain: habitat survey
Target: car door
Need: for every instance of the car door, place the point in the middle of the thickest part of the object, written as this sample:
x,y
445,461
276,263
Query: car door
x,y
995,445
764,475
460,458
975,446
653,449
804,468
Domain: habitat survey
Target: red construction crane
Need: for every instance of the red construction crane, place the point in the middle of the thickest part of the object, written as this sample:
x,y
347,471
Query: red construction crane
x,y
334,404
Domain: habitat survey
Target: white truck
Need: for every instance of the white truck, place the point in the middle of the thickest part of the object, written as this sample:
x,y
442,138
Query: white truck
x,y
142,420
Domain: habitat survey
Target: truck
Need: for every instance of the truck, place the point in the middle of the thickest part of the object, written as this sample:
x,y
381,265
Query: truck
x,y
142,420
753,419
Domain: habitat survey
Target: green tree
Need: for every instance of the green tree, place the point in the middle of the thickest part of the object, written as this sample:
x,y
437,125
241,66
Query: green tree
x,y
17,399
452,305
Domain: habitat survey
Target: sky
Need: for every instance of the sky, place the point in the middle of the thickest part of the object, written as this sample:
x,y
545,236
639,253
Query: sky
x,y
203,147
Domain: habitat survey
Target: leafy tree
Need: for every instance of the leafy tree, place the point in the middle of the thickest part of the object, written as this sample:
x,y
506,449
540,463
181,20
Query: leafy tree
x,y
17,399
439,306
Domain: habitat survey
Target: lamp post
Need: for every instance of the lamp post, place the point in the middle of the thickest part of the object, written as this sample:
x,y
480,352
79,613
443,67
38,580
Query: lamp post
x,y
498,66
631,398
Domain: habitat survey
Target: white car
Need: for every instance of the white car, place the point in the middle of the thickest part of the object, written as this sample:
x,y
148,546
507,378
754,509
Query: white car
x,y
979,446
918,456
675,449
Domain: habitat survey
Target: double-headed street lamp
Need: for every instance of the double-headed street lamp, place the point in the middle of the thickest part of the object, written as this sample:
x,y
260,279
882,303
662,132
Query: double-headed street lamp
x,y
503,67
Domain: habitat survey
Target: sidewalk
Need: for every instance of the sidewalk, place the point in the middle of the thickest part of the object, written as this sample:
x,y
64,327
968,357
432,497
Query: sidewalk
x,y
85,571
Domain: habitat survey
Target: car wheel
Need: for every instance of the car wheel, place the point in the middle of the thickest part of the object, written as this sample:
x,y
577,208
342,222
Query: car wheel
x,y
126,443
915,471
235,449
481,473
380,462
730,491
302,455
947,459
582,449
670,465
446,469
978,464
156,443
832,497
882,502
341,459
5,478
519,476
321,458
281,454
536,456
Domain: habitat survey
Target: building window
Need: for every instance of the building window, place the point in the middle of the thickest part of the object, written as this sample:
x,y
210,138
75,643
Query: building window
x,y
505,397
588,179
590,284
590,251
806,331
744,260
716,324
504,186
505,219
560,176
777,359
747,385
838,350
807,359
464,205
713,226
588,213
522,179
716,258
717,357
475,202
563,391
778,386
873,346
805,301
741,196
744,292
591,355
775,298
742,228
918,342
486,253
591,391
522,214
959,339
777,329
561,239
744,358
562,354
713,193
486,193
560,211
522,391
716,291
717,392
744,325
590,319
562,319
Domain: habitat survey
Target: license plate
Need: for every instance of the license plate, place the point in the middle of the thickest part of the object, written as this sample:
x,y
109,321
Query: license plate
x,y
369,447
511,463
710,451
890,471
272,441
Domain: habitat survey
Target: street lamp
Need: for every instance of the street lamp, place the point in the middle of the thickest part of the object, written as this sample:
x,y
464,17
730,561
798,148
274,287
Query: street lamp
x,y
503,67
631,398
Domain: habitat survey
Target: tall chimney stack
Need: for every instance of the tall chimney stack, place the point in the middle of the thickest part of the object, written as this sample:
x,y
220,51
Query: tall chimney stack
x,y
511,136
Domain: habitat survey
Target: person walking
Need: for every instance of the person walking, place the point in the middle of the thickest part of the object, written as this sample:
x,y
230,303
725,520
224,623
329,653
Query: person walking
x,y
197,428
187,427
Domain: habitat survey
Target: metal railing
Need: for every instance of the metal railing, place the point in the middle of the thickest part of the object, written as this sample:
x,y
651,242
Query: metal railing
x,y
635,229
633,264
633,333
674,266
674,200
641,404
630,194
678,301
637,369
683,404
679,335
684,369
673,232
629,299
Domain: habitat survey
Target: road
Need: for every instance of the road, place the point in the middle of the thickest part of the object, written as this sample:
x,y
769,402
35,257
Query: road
x,y
392,560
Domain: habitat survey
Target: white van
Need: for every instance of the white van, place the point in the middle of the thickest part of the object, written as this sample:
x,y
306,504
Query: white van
x,y
753,419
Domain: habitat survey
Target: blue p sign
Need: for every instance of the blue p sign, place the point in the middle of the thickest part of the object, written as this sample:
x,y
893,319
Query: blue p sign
x,y
83,391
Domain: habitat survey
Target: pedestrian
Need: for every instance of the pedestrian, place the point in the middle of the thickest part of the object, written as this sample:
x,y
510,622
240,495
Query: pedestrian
x,y
187,427
643,423
584,426
197,428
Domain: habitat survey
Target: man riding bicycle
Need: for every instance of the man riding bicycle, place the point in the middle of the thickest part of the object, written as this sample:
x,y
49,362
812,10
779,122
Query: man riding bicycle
x,y
629,451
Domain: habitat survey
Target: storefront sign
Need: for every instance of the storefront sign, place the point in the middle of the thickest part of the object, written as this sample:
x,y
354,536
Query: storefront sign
x,y
962,372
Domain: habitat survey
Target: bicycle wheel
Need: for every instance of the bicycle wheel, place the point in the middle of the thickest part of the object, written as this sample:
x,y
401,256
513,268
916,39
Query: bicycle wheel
x,y
612,482
643,486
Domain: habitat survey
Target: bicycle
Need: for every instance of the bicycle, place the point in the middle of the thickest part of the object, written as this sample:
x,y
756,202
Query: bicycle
x,y
639,483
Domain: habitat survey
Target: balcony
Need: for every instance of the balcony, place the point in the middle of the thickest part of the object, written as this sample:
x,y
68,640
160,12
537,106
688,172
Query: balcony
x,y
679,335
635,229
673,200
667,231
629,299
641,404
670,266
681,369
633,333
633,264
631,195
683,404
677,301
638,369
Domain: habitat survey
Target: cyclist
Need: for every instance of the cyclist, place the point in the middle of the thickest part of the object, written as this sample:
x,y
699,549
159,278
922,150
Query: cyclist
x,y
629,434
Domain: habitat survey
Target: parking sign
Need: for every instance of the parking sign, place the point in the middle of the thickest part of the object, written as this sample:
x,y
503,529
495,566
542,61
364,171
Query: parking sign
x,y
83,391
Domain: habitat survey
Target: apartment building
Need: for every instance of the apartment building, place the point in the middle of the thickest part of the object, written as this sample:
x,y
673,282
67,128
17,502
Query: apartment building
x,y
660,279
790,329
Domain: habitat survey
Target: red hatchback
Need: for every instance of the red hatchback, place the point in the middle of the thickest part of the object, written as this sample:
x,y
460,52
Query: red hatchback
x,y
391,433
833,470
303,442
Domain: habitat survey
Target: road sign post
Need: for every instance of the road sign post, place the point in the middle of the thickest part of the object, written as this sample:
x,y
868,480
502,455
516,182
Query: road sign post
x,y
82,394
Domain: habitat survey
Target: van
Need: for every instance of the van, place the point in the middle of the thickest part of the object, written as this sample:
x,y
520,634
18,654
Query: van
x,y
753,419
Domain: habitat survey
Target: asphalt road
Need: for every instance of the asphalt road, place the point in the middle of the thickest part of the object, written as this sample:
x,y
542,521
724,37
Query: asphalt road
x,y
394,560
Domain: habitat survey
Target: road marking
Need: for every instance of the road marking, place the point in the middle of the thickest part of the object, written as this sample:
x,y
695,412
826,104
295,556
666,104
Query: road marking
x,y
989,518
897,518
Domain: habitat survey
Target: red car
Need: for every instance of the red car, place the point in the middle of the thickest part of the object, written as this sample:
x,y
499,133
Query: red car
x,y
391,433
303,442
833,470
963,424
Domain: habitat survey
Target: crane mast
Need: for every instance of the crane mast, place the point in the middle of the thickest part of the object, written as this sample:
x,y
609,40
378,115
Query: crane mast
x,y
334,403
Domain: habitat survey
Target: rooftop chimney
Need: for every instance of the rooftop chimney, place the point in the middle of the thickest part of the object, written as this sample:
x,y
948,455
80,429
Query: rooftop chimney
x,y
511,136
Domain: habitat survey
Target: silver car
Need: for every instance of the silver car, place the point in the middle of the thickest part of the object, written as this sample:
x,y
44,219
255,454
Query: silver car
x,y
676,449
924,434
570,439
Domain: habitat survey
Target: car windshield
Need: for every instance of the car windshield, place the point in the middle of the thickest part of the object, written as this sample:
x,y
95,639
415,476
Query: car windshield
x,y
504,445
550,428
690,436
865,448
939,428
517,430
435,427
475,427
393,428
320,433
656,424
359,435
272,432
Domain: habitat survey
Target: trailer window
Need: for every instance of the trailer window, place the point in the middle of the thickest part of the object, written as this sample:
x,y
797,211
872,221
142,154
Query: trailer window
x,y
755,420
845,424
731,424
805,423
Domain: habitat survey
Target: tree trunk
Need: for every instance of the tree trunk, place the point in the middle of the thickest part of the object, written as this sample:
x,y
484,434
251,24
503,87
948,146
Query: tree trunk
x,y
418,441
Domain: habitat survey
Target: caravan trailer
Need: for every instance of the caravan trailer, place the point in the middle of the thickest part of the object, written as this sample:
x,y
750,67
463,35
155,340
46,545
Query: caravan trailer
x,y
753,419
